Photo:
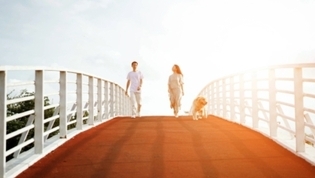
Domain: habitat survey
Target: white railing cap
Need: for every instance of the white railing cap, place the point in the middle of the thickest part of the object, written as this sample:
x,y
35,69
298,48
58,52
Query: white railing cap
x,y
46,68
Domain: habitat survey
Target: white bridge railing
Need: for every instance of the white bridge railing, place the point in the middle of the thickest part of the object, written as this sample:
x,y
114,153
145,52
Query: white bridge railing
x,y
277,101
54,106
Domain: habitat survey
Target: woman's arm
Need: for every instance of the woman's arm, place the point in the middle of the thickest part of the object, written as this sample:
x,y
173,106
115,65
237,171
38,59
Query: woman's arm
x,y
169,84
182,84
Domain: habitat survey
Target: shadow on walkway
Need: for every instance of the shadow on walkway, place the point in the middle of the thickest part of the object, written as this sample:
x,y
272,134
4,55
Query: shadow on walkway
x,y
162,146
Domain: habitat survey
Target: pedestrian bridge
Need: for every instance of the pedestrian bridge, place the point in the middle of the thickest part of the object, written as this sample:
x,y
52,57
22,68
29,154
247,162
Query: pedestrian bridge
x,y
260,123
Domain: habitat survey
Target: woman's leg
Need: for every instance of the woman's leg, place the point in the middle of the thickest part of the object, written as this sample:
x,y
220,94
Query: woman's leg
x,y
172,96
177,101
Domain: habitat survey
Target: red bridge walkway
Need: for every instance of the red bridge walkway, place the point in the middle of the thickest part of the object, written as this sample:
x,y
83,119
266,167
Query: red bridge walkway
x,y
162,146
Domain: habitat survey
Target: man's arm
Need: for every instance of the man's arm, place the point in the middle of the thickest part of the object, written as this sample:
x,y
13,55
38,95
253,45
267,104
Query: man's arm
x,y
127,86
140,85
141,81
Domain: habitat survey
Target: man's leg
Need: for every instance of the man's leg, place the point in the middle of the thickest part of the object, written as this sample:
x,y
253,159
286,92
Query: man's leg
x,y
133,102
138,100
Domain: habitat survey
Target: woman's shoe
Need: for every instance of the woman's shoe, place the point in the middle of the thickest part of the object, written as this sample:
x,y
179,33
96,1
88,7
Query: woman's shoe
x,y
176,114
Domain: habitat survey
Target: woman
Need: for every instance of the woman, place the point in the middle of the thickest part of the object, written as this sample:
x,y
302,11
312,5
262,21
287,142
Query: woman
x,y
175,88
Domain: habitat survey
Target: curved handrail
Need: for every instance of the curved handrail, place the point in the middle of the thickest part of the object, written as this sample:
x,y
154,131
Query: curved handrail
x,y
45,68
47,125
276,101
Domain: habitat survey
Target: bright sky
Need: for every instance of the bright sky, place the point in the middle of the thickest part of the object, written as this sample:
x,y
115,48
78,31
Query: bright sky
x,y
206,38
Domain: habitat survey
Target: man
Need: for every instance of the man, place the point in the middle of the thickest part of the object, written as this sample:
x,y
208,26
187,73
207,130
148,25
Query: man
x,y
134,80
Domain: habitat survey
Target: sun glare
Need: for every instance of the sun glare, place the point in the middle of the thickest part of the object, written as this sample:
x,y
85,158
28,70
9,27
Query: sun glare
x,y
234,38
210,40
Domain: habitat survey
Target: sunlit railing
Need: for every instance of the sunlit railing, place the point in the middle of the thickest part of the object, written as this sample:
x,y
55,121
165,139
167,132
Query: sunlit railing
x,y
277,101
65,103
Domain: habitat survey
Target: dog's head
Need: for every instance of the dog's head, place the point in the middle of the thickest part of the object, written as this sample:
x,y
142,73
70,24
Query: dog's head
x,y
201,101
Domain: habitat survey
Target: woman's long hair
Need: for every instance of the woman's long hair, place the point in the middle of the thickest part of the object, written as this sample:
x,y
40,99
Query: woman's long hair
x,y
178,71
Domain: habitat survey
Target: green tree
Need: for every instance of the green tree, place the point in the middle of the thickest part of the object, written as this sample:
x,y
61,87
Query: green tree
x,y
19,123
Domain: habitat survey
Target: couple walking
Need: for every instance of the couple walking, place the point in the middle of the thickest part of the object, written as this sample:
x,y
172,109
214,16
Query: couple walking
x,y
175,89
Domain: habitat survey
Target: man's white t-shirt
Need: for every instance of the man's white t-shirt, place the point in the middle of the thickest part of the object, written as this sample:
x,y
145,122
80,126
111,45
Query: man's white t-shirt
x,y
134,78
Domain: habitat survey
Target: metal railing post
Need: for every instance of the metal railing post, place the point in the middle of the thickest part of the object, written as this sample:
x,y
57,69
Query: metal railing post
x,y
63,104
116,100
106,99
299,110
213,99
232,106
111,100
99,100
254,101
218,104
208,100
129,106
224,97
124,103
242,99
39,112
272,103
3,122
91,100
121,102
79,125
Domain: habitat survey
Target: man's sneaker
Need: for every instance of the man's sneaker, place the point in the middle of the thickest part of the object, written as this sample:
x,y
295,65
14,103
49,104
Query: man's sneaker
x,y
138,114
133,116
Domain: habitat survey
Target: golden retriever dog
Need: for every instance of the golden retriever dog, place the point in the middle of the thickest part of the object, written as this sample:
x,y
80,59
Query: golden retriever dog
x,y
198,109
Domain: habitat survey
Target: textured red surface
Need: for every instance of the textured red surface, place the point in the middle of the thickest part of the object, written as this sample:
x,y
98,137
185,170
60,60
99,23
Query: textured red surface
x,y
162,146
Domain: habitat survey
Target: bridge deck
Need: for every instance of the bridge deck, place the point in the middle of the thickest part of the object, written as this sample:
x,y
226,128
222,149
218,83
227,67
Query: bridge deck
x,y
162,146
